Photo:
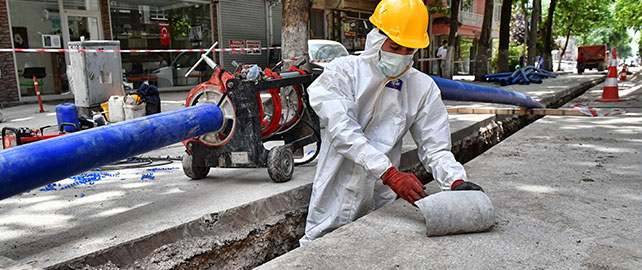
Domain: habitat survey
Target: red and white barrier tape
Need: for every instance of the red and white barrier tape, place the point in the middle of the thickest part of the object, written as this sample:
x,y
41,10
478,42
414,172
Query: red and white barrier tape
x,y
134,51
585,109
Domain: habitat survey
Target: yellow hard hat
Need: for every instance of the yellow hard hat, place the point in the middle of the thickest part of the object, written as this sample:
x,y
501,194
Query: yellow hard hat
x,y
403,21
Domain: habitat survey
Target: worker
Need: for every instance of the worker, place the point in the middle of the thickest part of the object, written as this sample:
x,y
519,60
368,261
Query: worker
x,y
442,53
368,103
580,63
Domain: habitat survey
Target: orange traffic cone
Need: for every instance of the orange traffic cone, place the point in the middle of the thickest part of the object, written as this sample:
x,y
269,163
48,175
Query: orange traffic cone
x,y
610,85
623,73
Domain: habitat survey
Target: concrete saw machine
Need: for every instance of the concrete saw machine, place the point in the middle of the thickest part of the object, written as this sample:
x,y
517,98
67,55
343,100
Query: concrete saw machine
x,y
258,106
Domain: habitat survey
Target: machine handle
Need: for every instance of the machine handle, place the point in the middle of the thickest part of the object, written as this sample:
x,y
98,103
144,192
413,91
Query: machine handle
x,y
201,59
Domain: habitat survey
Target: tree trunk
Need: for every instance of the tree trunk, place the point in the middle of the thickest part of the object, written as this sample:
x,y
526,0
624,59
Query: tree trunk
x,y
294,32
548,43
454,26
559,62
504,36
532,34
483,51
568,34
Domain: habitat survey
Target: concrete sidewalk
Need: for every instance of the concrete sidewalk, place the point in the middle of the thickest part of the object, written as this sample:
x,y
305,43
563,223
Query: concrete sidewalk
x,y
127,221
566,192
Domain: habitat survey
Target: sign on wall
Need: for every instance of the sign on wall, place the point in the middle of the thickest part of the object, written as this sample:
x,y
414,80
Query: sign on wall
x,y
237,43
253,44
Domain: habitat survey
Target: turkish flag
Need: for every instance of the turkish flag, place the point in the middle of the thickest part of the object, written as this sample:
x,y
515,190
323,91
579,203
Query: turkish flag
x,y
164,34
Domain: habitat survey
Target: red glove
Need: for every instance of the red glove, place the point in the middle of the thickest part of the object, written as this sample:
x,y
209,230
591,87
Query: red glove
x,y
406,185
465,185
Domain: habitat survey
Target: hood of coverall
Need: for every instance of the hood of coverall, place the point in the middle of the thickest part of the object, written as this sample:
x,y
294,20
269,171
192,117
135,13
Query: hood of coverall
x,y
374,41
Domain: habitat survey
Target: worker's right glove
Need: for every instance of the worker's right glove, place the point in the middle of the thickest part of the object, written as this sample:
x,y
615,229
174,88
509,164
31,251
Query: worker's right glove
x,y
406,185
465,185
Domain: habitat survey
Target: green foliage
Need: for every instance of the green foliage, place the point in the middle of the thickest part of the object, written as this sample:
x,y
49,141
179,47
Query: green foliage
x,y
582,16
438,7
629,14
178,25
514,51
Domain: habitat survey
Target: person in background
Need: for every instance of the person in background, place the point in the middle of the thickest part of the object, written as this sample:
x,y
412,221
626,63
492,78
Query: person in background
x,y
442,53
162,62
580,63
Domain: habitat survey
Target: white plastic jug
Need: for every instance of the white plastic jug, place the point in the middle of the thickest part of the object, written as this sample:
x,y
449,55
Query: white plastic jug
x,y
134,111
116,110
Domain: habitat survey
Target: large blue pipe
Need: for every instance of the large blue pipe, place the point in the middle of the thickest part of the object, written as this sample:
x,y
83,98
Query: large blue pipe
x,y
459,91
36,164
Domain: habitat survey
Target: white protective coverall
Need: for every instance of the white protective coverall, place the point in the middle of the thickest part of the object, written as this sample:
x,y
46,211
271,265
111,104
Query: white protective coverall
x,y
366,116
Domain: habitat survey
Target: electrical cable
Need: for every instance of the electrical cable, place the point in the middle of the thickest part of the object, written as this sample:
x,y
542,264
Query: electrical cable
x,y
316,132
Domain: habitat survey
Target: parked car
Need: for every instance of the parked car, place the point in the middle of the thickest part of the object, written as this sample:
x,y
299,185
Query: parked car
x,y
326,51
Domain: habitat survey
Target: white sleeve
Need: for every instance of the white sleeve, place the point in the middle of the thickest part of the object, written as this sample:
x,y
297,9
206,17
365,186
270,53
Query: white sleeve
x,y
333,98
431,132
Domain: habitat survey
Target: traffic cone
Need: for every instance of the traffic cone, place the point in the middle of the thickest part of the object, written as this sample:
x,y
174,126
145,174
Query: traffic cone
x,y
623,73
610,93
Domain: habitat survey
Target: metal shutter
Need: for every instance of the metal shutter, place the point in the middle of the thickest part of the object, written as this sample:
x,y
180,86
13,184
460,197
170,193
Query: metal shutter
x,y
242,20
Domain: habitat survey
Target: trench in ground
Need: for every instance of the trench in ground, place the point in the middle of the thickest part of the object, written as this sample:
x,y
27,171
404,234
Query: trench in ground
x,y
252,234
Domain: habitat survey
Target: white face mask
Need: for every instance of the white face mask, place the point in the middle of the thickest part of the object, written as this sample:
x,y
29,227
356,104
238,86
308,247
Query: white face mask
x,y
392,64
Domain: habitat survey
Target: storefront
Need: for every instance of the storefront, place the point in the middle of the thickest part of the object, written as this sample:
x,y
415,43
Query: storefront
x,y
162,24
137,24
40,24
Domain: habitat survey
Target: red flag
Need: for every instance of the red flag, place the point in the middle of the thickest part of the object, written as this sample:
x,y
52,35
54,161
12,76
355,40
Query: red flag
x,y
164,34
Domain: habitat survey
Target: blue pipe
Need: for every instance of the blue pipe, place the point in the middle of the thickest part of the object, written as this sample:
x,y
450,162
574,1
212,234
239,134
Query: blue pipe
x,y
36,164
459,91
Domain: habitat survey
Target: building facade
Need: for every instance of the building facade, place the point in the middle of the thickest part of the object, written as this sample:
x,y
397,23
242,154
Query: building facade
x,y
136,24
187,24
471,16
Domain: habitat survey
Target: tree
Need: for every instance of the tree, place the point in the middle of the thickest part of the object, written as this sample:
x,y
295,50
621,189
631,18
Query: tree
x,y
504,36
627,13
483,49
532,34
578,18
454,26
548,42
294,31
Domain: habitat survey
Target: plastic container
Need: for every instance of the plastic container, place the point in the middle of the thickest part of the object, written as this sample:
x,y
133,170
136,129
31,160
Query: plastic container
x,y
134,111
116,109
67,113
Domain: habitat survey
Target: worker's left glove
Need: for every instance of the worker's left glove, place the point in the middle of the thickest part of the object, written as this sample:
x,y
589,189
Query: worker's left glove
x,y
465,185
406,185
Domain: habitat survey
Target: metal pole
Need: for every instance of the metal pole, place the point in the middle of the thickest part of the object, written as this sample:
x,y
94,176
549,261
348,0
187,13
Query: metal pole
x,y
459,91
36,164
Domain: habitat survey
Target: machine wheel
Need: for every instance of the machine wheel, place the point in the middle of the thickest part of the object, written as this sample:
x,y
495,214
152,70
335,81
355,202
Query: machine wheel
x,y
280,164
193,171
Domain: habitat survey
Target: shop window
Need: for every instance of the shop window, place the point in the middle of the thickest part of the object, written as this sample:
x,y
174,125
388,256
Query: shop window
x,y
317,24
354,28
142,24
33,23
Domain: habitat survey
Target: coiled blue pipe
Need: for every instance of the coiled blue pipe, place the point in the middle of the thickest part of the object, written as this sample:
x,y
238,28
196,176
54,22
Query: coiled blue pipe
x,y
459,91
36,164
